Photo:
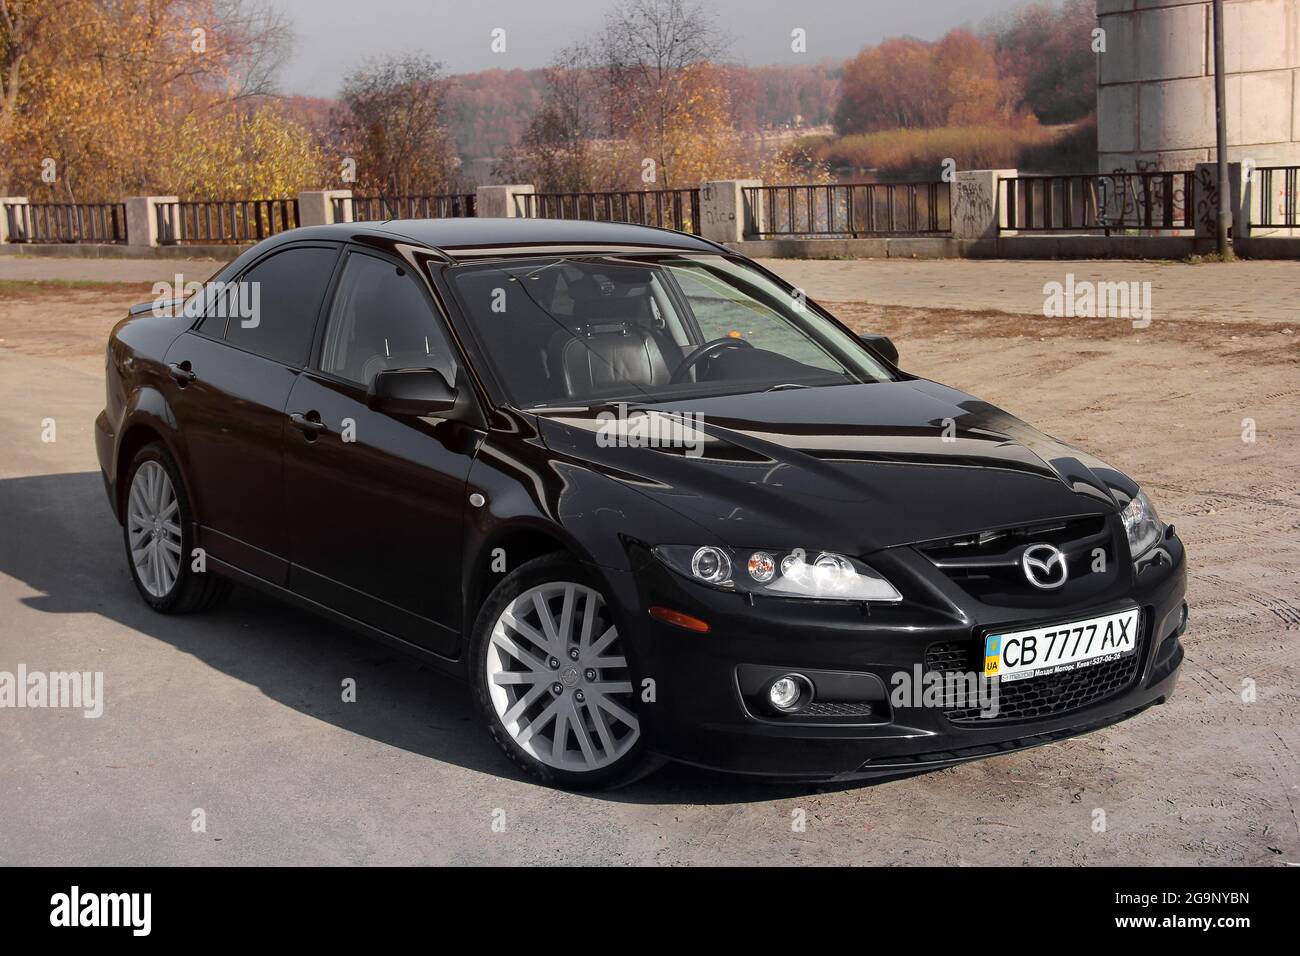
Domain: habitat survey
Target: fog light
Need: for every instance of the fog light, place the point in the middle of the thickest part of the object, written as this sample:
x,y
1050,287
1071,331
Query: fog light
x,y
787,694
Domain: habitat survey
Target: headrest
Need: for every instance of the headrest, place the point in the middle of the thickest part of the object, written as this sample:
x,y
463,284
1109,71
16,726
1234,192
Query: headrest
x,y
614,284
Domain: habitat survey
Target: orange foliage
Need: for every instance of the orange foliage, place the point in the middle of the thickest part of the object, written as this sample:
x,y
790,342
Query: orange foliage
x,y
910,84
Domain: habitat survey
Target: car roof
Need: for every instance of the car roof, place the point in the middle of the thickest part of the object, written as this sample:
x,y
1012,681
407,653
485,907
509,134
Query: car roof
x,y
475,238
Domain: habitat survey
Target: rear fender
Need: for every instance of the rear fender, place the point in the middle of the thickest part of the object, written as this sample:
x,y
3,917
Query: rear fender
x,y
147,409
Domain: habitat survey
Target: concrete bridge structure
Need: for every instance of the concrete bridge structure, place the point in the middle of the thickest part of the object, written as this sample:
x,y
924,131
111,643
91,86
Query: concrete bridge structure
x,y
1155,94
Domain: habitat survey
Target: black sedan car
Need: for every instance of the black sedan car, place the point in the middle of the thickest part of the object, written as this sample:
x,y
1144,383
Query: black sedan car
x,y
647,499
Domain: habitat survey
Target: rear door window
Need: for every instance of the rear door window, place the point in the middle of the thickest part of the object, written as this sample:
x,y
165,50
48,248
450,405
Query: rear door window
x,y
272,309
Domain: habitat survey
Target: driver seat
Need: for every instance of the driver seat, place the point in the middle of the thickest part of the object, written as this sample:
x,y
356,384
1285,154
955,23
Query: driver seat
x,y
601,358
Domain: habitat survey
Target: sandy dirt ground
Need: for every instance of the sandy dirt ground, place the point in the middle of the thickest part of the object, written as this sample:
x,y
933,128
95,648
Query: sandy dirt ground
x,y
1257,291
238,713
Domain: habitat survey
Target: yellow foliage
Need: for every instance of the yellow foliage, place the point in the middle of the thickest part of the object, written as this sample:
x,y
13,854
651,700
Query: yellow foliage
x,y
262,155
127,99
687,131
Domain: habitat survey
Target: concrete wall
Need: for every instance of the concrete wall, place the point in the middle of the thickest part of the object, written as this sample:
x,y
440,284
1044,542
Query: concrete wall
x,y
1155,94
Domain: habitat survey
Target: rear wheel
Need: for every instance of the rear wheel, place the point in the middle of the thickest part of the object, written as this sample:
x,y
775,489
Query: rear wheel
x,y
552,678
157,529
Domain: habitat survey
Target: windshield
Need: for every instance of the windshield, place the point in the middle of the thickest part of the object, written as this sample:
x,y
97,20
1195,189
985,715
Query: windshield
x,y
595,329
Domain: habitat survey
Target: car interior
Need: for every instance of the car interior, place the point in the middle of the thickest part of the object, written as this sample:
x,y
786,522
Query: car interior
x,y
582,330
381,320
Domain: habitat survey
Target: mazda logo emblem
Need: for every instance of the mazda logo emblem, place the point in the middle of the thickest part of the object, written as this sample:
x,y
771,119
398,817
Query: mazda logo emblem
x,y
1044,566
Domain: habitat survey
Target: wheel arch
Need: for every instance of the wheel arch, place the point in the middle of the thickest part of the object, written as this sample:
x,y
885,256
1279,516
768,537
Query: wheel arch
x,y
147,421
504,551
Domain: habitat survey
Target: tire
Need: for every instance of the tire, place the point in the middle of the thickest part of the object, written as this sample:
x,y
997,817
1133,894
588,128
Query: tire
x,y
158,533
533,680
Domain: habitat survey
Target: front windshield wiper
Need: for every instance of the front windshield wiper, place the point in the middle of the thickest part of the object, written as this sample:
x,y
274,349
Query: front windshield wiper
x,y
782,388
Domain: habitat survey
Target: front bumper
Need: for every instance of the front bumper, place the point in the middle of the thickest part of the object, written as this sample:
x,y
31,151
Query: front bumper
x,y
702,715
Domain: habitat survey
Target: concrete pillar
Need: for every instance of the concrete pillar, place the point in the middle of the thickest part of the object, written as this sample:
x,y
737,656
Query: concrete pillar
x,y
1155,91
1207,201
142,219
316,206
499,202
978,208
5,202
724,215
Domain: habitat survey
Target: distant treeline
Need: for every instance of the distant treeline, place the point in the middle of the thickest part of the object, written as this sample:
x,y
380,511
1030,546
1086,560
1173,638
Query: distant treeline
x,y
107,98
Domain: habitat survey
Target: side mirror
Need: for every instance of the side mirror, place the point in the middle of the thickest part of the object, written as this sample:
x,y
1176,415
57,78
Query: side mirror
x,y
410,391
881,345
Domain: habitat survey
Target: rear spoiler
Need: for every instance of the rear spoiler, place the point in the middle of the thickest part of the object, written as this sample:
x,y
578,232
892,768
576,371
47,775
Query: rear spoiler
x,y
164,307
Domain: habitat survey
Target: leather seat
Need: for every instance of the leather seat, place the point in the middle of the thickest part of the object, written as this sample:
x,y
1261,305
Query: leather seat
x,y
610,358
610,345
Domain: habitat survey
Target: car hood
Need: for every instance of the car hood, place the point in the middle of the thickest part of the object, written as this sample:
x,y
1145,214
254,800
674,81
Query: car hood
x,y
853,468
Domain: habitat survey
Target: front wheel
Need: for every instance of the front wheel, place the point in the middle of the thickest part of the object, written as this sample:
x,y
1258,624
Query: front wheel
x,y
552,678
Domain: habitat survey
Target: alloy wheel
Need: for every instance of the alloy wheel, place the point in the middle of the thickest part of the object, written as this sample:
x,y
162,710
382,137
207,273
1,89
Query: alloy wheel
x,y
153,529
558,678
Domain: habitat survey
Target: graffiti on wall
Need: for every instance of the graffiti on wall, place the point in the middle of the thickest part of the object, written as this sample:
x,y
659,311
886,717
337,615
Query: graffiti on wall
x,y
972,207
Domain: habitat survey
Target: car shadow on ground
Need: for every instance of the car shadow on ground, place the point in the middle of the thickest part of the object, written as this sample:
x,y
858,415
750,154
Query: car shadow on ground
x,y
61,541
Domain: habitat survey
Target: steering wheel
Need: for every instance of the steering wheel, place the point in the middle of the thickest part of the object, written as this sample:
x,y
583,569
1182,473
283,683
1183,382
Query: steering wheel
x,y
707,350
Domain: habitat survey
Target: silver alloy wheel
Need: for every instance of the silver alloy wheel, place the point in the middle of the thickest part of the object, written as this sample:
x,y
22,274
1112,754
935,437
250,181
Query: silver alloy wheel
x,y
153,529
558,679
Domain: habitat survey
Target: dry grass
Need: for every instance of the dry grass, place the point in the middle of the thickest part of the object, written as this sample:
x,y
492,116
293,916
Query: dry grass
x,y
904,151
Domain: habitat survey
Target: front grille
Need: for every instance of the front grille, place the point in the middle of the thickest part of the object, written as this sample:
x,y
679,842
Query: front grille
x,y
987,565
950,657
1046,696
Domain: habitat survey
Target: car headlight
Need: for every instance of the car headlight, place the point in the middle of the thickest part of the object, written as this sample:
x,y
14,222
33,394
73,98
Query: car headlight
x,y
820,575
1141,524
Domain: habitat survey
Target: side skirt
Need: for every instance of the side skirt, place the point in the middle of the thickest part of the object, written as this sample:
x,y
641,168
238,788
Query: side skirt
x,y
452,667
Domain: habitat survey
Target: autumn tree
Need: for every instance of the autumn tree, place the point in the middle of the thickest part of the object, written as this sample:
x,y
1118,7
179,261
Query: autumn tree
x,y
636,106
646,53
25,29
911,84
106,98
1039,61
888,86
391,123
265,155
557,150
766,97
692,144
965,75
1047,52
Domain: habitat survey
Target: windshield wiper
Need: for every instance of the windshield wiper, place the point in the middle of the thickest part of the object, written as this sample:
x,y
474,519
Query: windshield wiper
x,y
781,388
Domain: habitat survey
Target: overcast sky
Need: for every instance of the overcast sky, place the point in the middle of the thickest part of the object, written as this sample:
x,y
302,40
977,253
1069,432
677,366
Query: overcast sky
x,y
335,35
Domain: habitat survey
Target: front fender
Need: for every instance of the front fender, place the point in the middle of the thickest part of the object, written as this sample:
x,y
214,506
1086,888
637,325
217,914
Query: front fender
x,y
597,515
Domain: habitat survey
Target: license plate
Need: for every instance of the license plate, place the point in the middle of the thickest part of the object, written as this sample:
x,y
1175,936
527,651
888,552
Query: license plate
x,y
1058,648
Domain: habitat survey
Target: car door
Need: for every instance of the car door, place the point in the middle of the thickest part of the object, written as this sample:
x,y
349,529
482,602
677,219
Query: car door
x,y
375,501
232,375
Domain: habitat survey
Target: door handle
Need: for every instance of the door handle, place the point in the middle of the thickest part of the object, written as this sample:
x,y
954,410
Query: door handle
x,y
182,373
309,423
